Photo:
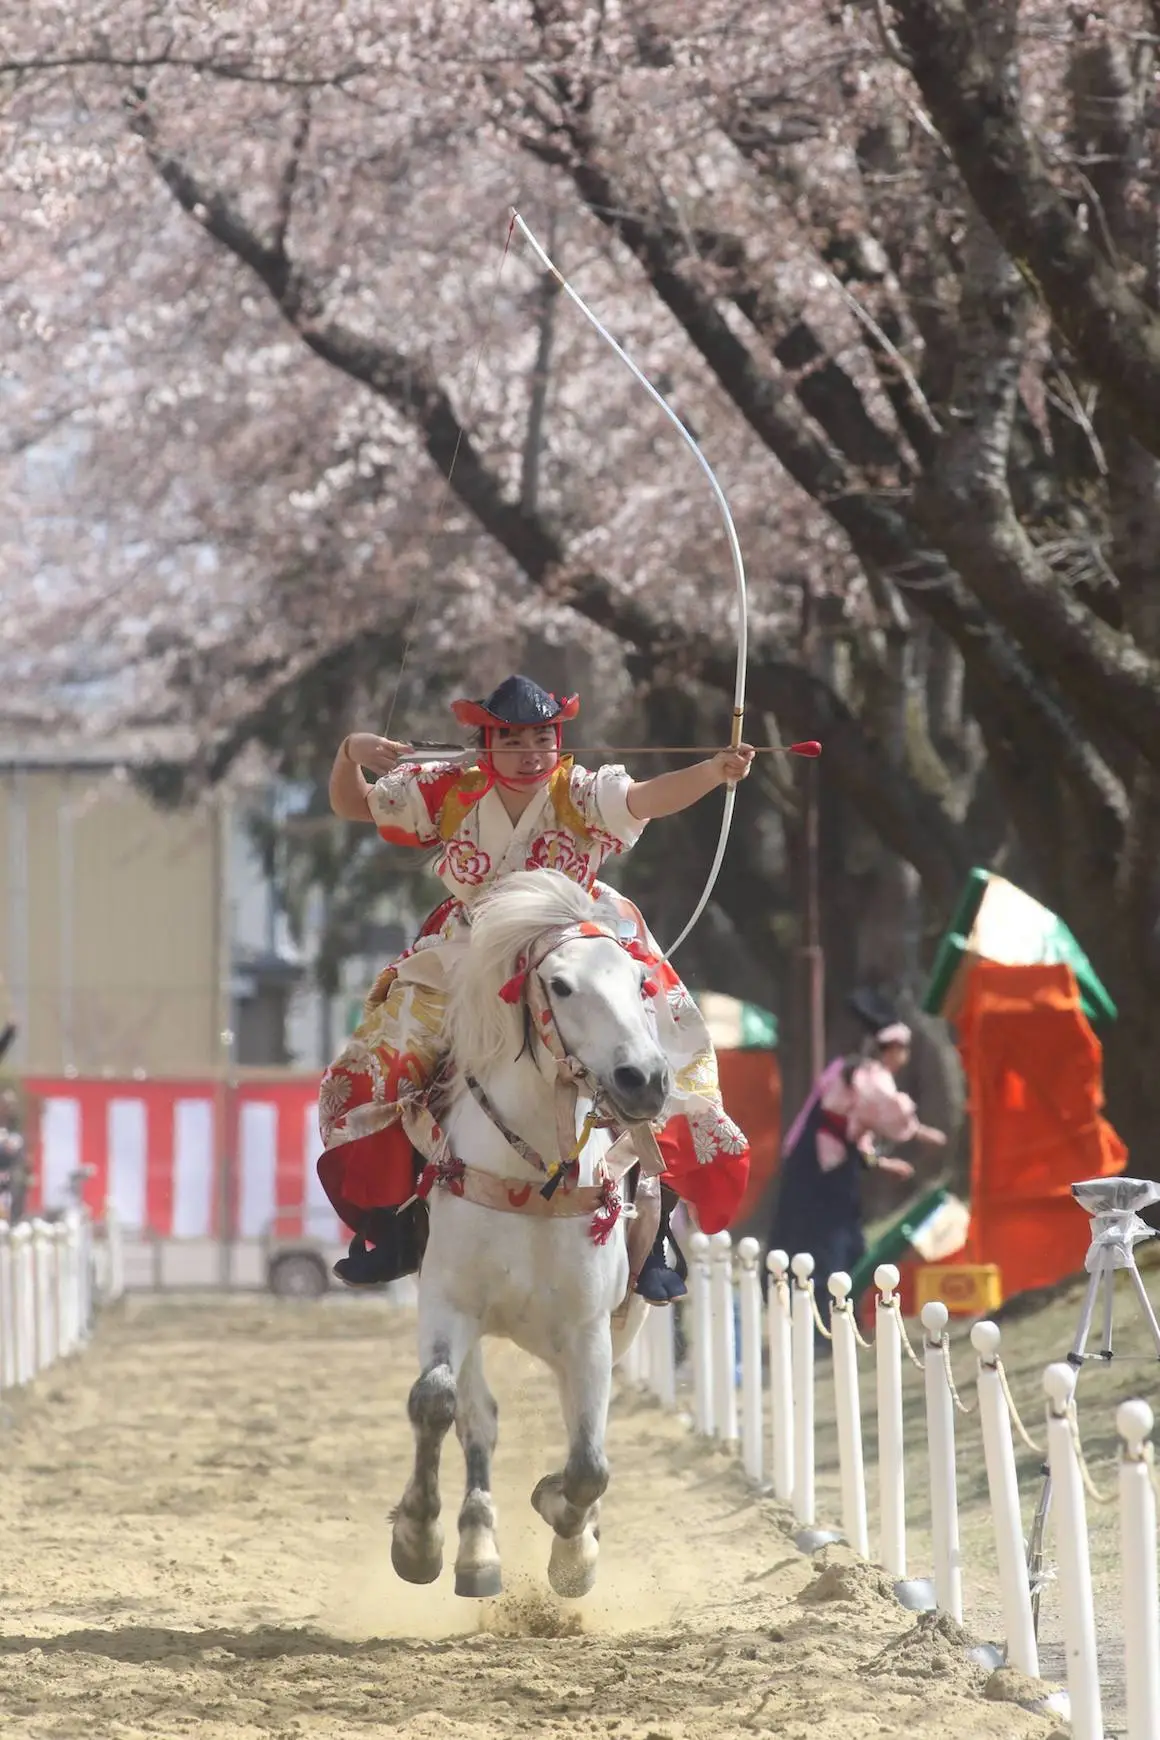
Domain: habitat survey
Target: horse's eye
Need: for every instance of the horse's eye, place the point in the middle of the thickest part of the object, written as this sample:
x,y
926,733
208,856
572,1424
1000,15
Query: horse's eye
x,y
560,988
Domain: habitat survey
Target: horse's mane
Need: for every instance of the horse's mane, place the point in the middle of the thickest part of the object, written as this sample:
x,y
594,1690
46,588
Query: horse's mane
x,y
481,1029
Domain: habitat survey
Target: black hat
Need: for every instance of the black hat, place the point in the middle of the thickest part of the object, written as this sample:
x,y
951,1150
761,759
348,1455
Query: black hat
x,y
518,701
873,1010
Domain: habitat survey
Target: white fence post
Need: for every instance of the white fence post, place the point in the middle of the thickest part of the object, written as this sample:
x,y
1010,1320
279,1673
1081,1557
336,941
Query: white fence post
x,y
891,1455
724,1338
632,1364
1006,1516
940,1438
24,1302
8,1331
84,1275
1138,1544
63,1288
662,1353
116,1254
752,1376
1071,1537
803,1391
44,1294
780,1374
701,1289
848,1408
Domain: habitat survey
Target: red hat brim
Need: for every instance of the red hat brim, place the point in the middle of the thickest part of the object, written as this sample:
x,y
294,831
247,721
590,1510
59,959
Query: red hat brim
x,y
475,713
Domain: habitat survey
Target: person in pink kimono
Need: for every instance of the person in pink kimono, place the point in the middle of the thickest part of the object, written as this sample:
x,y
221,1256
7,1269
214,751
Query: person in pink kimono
x,y
855,1109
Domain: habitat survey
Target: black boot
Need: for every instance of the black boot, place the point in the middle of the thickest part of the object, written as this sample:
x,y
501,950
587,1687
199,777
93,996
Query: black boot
x,y
398,1237
656,1282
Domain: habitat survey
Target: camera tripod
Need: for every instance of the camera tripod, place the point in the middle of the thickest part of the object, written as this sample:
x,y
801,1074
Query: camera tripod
x,y
1117,1229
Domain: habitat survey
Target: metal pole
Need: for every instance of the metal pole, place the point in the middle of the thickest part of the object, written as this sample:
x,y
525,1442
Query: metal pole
x,y
848,1408
700,1285
780,1375
891,1459
813,957
802,1266
1075,1578
1006,1517
1138,1546
752,1376
940,1437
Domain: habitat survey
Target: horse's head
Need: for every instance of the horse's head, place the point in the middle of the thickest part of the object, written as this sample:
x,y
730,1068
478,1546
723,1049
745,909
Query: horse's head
x,y
595,992
544,954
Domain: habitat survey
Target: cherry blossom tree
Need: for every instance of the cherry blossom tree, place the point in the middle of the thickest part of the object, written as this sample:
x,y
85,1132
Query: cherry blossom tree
x,y
895,266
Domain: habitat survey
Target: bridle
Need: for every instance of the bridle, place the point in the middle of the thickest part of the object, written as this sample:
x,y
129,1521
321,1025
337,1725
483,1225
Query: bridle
x,y
526,987
633,1144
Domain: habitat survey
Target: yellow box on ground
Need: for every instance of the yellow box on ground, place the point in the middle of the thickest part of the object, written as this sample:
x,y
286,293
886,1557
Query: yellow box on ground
x,y
966,1289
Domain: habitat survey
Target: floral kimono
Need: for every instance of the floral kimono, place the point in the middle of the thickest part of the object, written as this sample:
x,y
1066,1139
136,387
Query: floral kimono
x,y
574,824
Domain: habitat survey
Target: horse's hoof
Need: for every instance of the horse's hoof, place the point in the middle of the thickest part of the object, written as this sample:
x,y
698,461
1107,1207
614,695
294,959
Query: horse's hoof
x,y
547,1494
572,1566
478,1582
416,1567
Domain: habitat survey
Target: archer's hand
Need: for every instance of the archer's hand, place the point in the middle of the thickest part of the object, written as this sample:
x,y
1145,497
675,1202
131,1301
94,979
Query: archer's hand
x,y
896,1167
377,753
733,764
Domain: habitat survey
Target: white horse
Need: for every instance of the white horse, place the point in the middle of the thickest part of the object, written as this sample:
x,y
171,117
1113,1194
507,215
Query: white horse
x,y
548,1015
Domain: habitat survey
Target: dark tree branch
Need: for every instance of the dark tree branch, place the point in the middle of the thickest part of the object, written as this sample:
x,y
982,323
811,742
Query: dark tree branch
x,y
288,180
1111,330
208,66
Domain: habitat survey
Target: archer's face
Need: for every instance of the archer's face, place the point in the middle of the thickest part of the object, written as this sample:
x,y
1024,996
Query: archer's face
x,y
525,753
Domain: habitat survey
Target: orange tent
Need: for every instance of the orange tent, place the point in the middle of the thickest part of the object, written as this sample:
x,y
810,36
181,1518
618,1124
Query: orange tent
x,y
751,1093
1035,1093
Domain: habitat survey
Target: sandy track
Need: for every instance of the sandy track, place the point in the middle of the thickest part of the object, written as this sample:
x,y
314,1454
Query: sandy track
x,y
195,1539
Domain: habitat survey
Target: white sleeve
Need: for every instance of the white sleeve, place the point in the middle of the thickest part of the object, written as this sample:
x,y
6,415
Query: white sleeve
x,y
602,800
399,809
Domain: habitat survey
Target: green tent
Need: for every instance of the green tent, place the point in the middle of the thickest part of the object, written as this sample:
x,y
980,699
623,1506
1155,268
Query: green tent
x,y
995,921
737,1026
932,1228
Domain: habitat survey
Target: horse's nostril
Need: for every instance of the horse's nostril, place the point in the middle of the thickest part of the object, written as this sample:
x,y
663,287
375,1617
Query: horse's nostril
x,y
629,1079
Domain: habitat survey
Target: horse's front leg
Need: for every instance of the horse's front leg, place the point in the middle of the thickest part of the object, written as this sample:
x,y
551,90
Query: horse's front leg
x,y
571,1501
477,1566
445,1339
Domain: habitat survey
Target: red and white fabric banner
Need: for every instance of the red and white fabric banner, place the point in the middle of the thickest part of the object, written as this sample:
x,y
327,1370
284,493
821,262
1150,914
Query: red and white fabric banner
x,y
185,1159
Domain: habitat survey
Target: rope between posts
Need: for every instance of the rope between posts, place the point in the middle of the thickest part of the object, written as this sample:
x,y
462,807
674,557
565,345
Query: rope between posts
x,y
858,1335
814,1308
955,1396
1093,1492
1014,1411
910,1353
845,1308
1148,1457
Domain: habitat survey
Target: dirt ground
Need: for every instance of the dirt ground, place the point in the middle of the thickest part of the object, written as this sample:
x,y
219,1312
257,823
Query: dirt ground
x,y
196,1539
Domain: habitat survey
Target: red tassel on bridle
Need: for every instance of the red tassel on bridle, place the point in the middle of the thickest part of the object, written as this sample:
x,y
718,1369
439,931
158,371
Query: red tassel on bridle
x,y
513,990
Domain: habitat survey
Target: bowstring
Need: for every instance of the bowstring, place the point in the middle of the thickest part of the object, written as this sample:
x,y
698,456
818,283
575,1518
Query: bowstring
x,y
445,495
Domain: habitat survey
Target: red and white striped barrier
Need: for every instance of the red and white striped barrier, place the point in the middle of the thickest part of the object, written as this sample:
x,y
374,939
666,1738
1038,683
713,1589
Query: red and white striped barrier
x,y
185,1159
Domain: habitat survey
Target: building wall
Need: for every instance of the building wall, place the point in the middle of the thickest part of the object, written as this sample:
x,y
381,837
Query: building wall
x,y
110,926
